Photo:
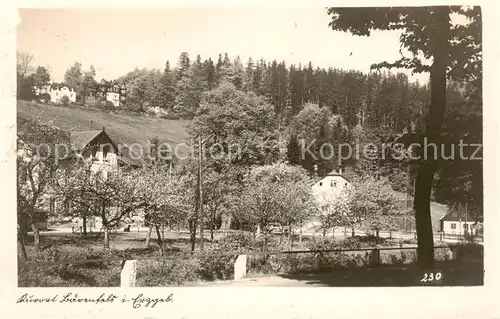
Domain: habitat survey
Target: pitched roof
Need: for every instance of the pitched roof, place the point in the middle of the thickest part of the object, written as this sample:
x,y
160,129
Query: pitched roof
x,y
81,139
457,213
126,155
332,173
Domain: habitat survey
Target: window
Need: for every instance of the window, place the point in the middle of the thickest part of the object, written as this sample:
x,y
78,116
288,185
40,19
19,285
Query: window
x,y
331,183
345,184
453,226
320,183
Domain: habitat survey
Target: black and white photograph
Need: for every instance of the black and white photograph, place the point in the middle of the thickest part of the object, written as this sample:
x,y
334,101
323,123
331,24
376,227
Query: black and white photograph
x,y
192,146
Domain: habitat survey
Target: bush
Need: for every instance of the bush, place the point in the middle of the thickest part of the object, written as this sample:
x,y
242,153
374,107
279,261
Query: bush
x,y
98,274
165,273
65,100
44,97
157,112
108,105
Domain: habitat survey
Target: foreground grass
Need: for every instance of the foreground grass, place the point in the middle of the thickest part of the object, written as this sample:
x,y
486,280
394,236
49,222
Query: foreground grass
x,y
126,128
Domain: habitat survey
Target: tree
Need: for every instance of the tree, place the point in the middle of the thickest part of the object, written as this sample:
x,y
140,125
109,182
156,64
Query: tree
x,y
455,51
73,77
88,82
277,193
38,160
41,77
237,128
190,87
24,60
161,195
110,195
166,92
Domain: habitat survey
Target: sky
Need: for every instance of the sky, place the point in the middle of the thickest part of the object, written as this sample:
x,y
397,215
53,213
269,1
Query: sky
x,y
117,41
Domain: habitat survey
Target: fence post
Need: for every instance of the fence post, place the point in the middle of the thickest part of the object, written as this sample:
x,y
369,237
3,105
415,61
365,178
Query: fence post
x,y
128,275
317,261
455,252
240,267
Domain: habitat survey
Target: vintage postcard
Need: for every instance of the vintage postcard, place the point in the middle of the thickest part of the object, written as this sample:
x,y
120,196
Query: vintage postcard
x,y
193,161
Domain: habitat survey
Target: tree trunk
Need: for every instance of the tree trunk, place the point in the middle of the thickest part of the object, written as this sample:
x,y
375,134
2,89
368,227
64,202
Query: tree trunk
x,y
192,231
84,225
352,232
159,240
22,244
212,225
36,236
377,233
106,237
425,173
148,238
333,232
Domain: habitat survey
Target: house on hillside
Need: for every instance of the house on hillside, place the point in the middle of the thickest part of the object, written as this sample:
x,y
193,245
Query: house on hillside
x,y
56,91
457,221
110,91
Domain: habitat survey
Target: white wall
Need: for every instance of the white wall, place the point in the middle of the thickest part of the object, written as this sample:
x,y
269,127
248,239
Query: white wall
x,y
56,95
459,227
329,187
113,97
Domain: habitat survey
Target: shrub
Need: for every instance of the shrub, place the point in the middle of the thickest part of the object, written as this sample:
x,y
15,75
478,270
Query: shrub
x,y
165,273
44,97
100,274
157,112
108,105
65,100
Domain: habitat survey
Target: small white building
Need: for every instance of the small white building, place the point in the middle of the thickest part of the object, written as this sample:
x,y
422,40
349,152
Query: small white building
x,y
57,91
456,221
330,187
326,190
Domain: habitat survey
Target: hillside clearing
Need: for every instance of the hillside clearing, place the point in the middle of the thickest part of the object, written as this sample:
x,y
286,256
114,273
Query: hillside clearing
x,y
125,128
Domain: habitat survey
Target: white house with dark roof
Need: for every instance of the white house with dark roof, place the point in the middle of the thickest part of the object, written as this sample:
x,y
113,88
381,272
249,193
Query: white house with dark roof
x,y
105,153
329,187
457,221
57,91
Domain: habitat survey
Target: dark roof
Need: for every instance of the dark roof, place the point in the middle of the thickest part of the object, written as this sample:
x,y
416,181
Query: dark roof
x,y
126,156
81,139
457,213
332,173
58,86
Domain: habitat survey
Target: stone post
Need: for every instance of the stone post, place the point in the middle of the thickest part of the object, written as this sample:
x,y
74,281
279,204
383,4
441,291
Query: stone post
x,y
317,261
240,267
375,257
129,274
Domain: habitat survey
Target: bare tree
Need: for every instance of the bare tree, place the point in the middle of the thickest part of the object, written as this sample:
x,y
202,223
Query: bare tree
x,y
24,60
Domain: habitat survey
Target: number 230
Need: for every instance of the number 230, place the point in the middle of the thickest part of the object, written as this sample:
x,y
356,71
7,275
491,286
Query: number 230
x,y
431,277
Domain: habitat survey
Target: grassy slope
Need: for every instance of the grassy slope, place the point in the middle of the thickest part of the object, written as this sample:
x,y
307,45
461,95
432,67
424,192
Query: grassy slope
x,y
126,128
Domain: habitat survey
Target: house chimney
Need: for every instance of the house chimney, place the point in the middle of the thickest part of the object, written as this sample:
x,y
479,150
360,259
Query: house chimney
x,y
103,128
340,169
